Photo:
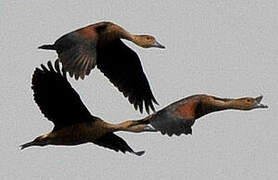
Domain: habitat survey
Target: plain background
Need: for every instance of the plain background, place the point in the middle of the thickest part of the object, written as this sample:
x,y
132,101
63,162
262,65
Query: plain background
x,y
222,48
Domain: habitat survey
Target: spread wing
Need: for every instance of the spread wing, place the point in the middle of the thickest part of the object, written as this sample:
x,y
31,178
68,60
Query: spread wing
x,y
57,100
116,143
77,54
123,68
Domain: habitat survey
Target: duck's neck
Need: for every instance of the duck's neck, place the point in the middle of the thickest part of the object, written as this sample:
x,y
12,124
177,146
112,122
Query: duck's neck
x,y
119,32
222,103
116,31
213,104
112,32
136,39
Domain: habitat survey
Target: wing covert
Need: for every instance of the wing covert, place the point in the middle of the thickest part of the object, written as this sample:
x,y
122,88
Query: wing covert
x,y
77,54
177,118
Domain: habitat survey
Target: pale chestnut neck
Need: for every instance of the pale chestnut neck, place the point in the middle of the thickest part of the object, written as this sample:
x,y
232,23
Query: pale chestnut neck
x,y
122,33
113,32
218,104
116,31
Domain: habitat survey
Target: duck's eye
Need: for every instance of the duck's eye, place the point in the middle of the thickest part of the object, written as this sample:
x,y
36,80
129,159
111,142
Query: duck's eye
x,y
248,100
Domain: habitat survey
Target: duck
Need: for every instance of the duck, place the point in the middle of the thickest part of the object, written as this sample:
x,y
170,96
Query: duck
x,y
179,117
100,45
73,123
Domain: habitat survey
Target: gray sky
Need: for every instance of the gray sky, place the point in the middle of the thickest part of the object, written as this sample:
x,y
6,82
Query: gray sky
x,y
222,48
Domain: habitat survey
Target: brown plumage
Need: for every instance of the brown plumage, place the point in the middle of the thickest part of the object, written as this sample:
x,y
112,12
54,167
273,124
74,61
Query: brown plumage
x,y
100,45
73,123
178,117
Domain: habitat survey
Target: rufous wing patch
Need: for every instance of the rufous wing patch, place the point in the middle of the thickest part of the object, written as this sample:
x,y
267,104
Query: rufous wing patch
x,y
88,33
187,110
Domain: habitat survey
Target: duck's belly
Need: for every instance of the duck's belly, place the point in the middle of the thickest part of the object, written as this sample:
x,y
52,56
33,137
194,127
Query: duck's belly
x,y
77,134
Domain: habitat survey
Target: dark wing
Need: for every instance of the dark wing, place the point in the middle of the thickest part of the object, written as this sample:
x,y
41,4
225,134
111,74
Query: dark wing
x,y
112,141
123,68
176,118
57,100
77,54
168,124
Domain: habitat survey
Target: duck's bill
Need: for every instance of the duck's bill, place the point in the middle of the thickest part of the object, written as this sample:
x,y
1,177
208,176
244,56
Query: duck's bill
x,y
259,104
158,45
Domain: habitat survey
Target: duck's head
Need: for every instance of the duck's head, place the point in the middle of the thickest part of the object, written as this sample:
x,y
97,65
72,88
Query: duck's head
x,y
147,41
248,103
39,141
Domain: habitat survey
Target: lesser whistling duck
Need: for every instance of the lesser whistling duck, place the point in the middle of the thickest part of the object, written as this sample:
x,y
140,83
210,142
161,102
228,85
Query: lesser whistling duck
x,y
73,123
178,117
100,44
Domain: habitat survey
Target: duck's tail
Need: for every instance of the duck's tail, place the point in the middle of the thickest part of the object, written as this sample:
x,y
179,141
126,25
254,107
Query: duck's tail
x,y
48,47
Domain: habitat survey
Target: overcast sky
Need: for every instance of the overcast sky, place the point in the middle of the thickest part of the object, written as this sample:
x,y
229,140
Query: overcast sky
x,y
221,48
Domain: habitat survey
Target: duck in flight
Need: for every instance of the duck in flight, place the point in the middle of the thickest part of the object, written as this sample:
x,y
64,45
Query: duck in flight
x,y
100,45
73,123
178,117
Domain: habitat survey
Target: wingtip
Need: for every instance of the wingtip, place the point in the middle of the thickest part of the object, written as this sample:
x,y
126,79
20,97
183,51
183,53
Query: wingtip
x,y
139,153
44,68
50,67
57,66
155,101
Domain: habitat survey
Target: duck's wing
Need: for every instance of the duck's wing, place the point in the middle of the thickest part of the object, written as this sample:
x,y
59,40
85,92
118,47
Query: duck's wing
x,y
177,118
77,52
57,100
122,66
112,141
170,125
